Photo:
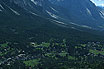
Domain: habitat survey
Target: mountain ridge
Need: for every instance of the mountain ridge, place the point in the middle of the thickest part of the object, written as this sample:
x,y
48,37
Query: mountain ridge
x,y
87,15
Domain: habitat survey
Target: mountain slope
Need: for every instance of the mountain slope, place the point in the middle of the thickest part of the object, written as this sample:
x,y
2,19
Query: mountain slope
x,y
79,13
82,12
16,15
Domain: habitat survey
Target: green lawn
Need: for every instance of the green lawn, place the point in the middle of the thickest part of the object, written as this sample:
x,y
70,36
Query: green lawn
x,y
96,52
32,63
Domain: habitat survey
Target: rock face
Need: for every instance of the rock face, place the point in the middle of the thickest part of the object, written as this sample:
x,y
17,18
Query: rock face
x,y
77,12
81,11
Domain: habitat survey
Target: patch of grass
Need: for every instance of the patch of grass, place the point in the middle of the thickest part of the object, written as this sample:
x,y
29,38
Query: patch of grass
x,y
63,54
50,55
4,53
4,45
57,44
71,58
32,63
45,44
76,47
96,52
83,45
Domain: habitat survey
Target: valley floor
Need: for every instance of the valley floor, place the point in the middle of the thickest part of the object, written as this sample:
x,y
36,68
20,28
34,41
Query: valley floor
x,y
52,55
